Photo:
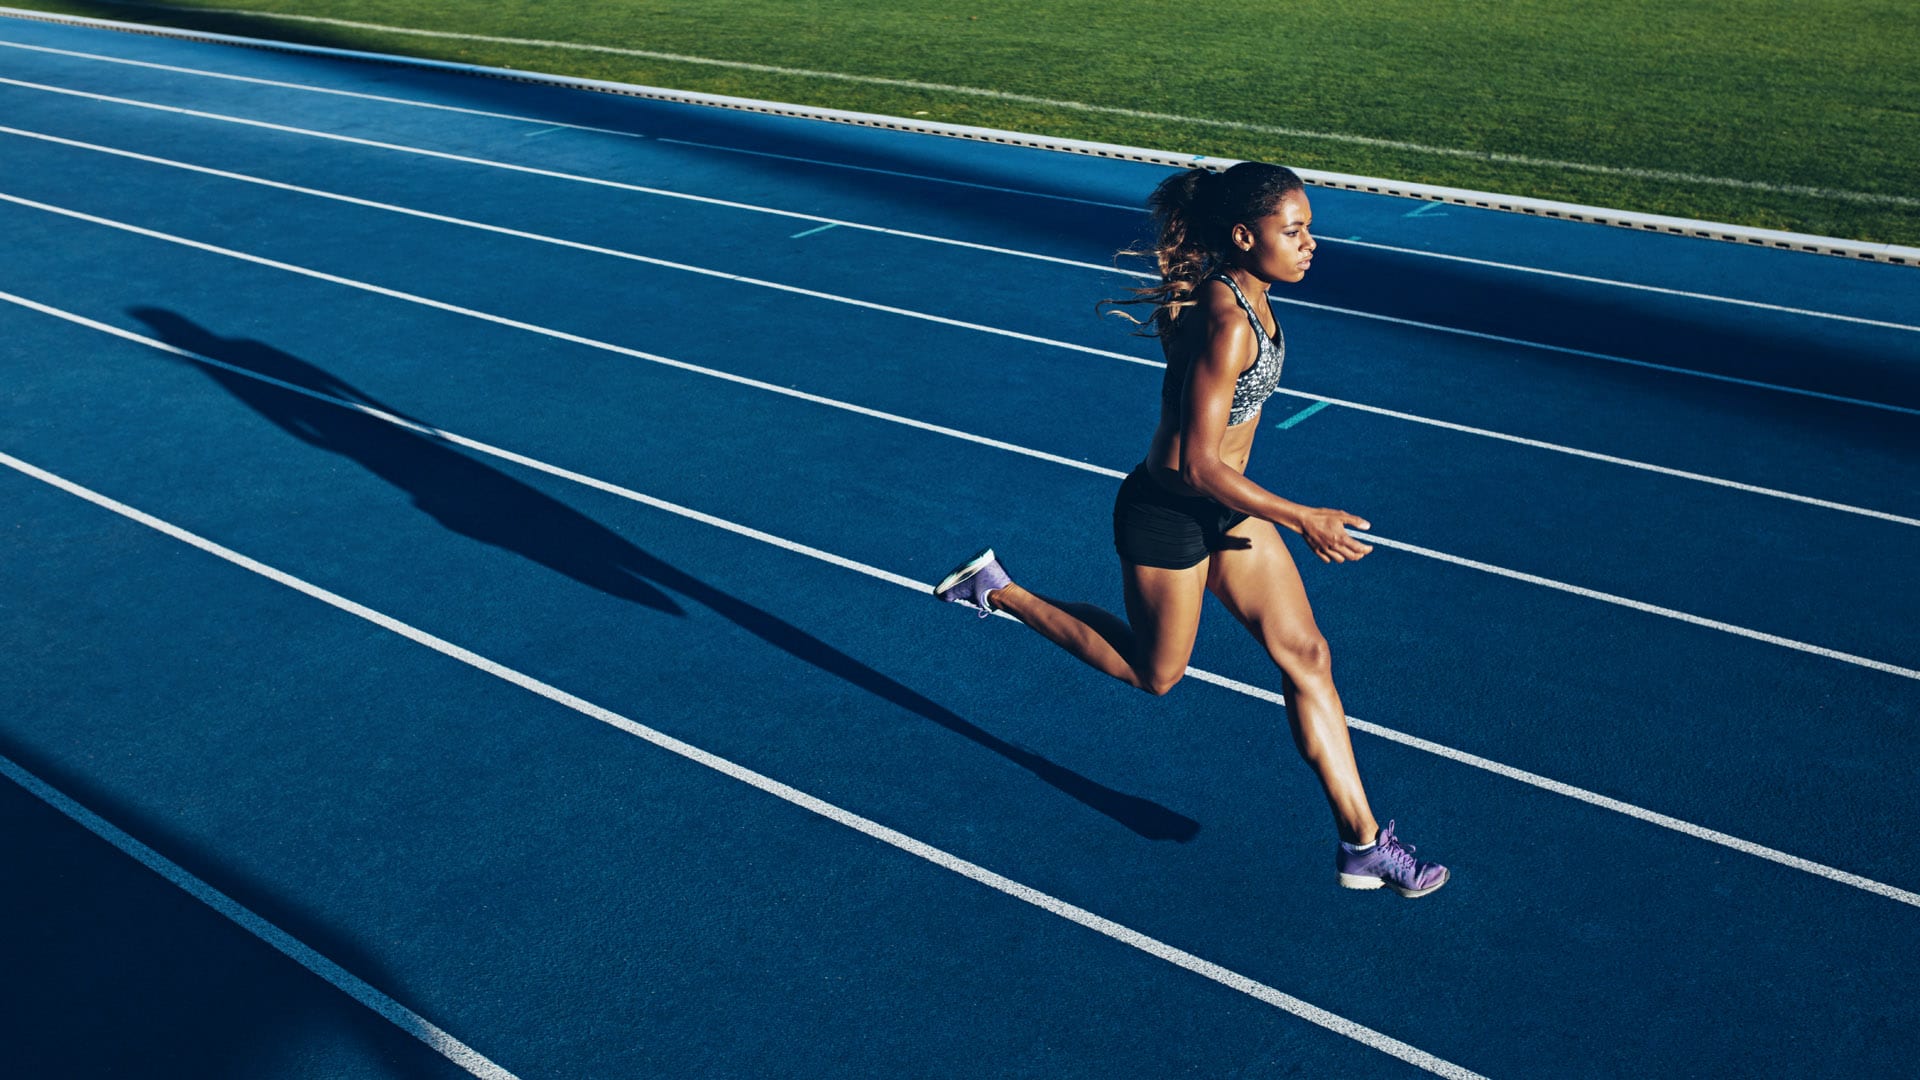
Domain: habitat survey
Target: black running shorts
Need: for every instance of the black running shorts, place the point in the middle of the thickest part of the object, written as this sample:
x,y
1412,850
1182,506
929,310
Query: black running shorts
x,y
1155,527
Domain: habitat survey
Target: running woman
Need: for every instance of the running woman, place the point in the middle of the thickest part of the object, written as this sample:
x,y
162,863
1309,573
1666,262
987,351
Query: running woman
x,y
1188,521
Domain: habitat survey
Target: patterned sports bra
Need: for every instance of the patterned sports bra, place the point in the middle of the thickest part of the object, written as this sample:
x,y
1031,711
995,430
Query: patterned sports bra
x,y
1255,385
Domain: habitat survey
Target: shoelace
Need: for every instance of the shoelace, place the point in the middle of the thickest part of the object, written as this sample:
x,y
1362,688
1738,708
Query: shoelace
x,y
1393,851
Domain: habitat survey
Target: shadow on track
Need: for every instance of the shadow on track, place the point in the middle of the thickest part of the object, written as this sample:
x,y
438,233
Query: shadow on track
x,y
111,970
484,504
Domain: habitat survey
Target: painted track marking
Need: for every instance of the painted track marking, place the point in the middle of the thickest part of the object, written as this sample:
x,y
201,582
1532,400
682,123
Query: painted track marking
x,y
1522,776
641,189
1132,208
282,942
1303,414
605,346
1865,197
361,95
939,857
942,320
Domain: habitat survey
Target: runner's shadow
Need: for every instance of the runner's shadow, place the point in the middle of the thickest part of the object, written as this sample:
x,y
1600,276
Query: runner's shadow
x,y
460,493
480,502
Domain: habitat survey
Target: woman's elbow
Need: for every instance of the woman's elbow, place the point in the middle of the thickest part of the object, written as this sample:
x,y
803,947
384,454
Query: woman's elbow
x,y
1198,475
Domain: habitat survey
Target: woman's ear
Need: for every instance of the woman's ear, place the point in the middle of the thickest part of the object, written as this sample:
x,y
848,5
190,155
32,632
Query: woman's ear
x,y
1242,237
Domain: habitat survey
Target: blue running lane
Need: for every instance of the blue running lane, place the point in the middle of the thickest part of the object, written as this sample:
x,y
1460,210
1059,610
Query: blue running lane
x,y
1656,504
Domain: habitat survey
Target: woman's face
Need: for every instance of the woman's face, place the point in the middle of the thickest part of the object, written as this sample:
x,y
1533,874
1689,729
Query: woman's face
x,y
1278,247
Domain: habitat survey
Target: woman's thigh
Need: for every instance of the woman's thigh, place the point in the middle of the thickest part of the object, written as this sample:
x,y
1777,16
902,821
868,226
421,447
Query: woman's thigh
x,y
1163,610
1261,586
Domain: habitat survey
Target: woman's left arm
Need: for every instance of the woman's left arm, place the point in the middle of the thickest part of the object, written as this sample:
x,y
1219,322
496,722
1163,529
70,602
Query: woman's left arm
x,y
1208,405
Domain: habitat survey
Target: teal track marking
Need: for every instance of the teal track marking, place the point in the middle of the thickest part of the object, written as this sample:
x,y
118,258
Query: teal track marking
x,y
1290,421
1261,693
815,229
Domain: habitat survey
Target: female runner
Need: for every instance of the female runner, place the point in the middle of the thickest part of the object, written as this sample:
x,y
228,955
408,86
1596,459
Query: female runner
x,y
1188,520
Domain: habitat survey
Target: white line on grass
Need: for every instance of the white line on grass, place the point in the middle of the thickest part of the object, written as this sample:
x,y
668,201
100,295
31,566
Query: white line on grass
x,y
1125,935
750,207
561,335
1714,836
1132,207
286,944
1864,197
1051,342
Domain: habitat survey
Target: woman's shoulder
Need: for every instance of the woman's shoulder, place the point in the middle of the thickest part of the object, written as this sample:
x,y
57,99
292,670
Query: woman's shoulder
x,y
1215,320
1218,297
1211,307
1219,304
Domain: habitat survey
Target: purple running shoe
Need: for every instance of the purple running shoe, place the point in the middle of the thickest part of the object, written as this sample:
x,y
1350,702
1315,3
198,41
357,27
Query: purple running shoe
x,y
972,580
1390,863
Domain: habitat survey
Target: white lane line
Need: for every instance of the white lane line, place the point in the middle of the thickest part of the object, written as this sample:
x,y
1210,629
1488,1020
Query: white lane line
x,y
1607,357
621,350
1024,192
594,343
541,238
1139,208
1532,779
945,860
908,235
282,942
1335,240
550,174
1866,197
1642,606
729,204
1727,840
1637,286
548,123
597,250
576,245
1610,459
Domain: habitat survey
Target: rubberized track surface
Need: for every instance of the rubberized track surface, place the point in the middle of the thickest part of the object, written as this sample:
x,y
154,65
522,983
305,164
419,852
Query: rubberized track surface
x,y
1635,657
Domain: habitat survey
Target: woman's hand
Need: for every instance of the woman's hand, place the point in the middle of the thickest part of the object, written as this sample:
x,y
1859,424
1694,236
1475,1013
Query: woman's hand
x,y
1322,530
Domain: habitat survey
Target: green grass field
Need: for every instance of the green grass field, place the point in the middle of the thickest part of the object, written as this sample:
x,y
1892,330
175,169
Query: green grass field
x,y
1788,114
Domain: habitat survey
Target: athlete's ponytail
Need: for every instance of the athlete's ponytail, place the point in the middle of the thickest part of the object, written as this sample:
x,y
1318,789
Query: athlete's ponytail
x,y
1194,213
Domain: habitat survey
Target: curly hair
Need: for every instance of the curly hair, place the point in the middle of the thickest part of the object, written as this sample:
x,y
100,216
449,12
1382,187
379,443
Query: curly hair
x,y
1194,214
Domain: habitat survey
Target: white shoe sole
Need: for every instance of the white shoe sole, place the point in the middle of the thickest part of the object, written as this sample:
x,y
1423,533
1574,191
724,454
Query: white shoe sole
x,y
1361,881
973,567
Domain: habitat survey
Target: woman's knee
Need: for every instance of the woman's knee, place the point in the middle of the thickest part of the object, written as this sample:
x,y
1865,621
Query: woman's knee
x,y
1158,683
1304,658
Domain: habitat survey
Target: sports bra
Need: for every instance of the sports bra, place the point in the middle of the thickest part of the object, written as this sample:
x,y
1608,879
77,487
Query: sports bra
x,y
1255,385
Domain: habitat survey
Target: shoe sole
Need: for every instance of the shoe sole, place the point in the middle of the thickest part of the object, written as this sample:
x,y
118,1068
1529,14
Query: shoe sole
x,y
1360,881
967,570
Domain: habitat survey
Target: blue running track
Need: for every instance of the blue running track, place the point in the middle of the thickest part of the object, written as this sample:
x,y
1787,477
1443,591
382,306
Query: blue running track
x,y
465,567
